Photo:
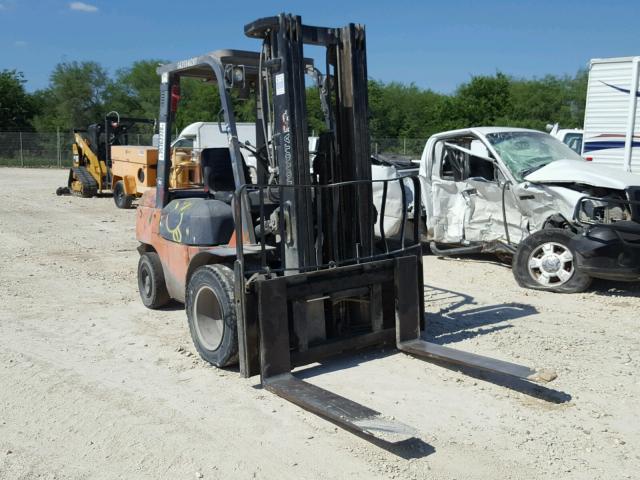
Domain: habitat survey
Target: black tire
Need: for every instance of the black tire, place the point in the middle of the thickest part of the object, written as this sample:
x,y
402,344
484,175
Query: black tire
x,y
121,199
151,284
211,312
545,261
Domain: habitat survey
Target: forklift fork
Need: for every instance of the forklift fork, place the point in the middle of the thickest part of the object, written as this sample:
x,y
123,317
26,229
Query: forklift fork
x,y
276,365
408,338
276,360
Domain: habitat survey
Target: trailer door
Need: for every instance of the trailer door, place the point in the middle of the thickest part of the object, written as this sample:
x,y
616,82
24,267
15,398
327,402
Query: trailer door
x,y
611,123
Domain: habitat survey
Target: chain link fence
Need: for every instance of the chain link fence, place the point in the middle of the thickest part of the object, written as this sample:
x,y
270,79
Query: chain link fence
x,y
29,149
409,147
53,150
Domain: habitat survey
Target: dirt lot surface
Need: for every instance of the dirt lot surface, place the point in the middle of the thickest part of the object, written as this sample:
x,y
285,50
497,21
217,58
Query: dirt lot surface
x,y
93,385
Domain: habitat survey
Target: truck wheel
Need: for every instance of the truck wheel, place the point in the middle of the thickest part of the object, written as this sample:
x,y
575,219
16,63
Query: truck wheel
x,y
211,312
544,261
121,199
153,290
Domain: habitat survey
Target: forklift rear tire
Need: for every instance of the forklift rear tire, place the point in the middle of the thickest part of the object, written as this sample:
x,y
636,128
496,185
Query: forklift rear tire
x,y
120,197
153,290
210,305
545,261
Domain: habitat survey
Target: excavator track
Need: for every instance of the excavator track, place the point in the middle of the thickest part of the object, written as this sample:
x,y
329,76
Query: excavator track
x,y
88,183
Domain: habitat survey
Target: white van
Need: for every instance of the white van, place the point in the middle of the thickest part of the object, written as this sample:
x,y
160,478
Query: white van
x,y
611,123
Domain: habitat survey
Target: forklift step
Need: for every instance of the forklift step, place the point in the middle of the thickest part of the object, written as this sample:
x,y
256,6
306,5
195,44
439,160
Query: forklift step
x,y
432,351
342,411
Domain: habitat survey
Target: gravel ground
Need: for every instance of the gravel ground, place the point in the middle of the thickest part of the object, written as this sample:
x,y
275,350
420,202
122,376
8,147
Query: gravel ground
x,y
93,385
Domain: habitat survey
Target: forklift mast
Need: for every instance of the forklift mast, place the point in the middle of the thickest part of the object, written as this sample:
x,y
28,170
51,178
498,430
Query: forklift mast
x,y
345,148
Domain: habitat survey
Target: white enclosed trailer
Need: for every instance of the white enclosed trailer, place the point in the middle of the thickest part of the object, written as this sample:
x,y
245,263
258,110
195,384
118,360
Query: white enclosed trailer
x,y
611,123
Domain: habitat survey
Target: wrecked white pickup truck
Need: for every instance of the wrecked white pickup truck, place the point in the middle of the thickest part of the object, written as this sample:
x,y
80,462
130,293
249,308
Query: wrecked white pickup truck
x,y
524,193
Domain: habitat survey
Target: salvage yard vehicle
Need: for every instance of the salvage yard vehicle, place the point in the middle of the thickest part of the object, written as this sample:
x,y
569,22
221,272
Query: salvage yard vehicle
x,y
91,173
524,193
285,272
105,162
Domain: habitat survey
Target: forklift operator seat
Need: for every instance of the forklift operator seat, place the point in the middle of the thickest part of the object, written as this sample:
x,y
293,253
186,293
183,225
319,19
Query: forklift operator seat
x,y
217,173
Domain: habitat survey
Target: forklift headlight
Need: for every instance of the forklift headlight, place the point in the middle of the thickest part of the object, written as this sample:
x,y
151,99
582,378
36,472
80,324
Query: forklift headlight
x,y
234,76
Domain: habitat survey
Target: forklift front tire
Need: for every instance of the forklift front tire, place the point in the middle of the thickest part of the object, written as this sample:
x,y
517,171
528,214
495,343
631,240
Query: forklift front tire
x,y
153,290
120,197
210,305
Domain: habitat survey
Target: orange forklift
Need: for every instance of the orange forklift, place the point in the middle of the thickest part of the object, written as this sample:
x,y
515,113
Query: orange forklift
x,y
288,271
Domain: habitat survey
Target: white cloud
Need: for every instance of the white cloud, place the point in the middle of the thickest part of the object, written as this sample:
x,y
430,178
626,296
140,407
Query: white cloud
x,y
83,7
20,43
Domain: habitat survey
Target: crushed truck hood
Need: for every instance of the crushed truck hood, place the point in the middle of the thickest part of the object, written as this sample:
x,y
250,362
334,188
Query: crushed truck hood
x,y
587,173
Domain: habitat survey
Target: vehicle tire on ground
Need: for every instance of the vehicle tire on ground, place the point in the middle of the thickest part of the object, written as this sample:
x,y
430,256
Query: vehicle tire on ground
x,y
210,305
151,284
545,261
121,199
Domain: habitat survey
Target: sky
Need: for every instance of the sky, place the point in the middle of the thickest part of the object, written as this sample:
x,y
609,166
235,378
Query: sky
x,y
436,45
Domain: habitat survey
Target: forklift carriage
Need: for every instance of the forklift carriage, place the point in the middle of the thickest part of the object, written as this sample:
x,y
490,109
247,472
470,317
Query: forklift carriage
x,y
310,278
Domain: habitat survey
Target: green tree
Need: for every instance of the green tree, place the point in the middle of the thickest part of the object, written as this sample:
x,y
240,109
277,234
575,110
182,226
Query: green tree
x,y
75,98
135,91
17,108
315,121
404,111
483,101
199,102
81,93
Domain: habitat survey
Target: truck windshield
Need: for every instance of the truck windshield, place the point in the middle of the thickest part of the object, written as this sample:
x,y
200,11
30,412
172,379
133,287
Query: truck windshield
x,y
183,143
525,152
